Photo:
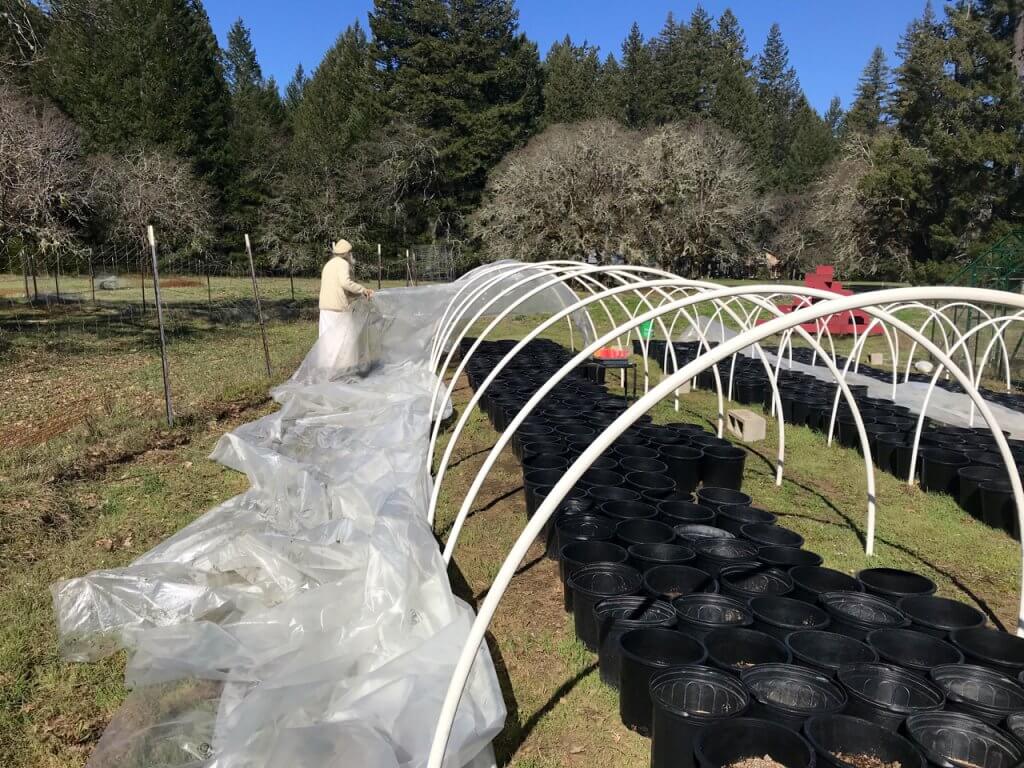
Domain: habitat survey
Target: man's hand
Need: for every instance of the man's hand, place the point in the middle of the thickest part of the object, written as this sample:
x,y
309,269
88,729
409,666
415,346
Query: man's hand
x,y
369,293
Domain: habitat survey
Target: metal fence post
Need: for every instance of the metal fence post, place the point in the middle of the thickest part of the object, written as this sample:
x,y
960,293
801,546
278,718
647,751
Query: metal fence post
x,y
380,266
160,322
259,307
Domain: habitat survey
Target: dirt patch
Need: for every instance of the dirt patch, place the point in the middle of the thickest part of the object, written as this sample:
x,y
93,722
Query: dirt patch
x,y
865,761
22,435
756,762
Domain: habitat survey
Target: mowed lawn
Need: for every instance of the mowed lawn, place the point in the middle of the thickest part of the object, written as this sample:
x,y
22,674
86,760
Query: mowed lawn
x,y
91,477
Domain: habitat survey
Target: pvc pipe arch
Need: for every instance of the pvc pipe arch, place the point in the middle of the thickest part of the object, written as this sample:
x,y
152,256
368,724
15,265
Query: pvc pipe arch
x,y
623,422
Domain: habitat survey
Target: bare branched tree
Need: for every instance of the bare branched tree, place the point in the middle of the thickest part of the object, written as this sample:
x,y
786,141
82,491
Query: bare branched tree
x,y
147,187
44,188
681,197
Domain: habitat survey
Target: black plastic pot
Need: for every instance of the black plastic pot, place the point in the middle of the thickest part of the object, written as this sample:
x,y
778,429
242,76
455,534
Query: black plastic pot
x,y
606,478
979,691
686,700
952,740
939,616
667,582
971,478
579,554
644,557
939,469
592,584
811,581
683,512
698,614
722,466
644,653
894,584
732,517
715,554
537,479
886,457
630,532
683,465
693,533
1015,725
991,648
828,651
736,649
855,614
604,494
731,741
789,557
634,451
544,461
618,615
779,616
628,510
914,651
886,694
854,737
788,694
653,483
716,498
747,581
997,507
636,464
765,535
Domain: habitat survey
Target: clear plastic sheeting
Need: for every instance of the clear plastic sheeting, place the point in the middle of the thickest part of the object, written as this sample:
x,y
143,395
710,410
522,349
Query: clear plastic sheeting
x,y
308,622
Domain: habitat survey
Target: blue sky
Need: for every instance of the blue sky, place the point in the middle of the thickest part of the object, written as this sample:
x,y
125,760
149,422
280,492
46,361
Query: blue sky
x,y
829,40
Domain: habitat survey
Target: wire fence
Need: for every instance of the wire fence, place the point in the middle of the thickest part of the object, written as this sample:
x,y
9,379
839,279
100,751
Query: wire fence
x,y
80,335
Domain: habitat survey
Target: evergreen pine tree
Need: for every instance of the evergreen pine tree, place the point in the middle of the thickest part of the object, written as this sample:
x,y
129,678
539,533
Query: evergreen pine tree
x,y
732,42
869,110
144,73
811,146
571,83
296,87
779,90
920,80
639,81
834,117
609,90
698,73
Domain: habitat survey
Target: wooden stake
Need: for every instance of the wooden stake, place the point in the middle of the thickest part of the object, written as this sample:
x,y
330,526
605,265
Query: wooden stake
x,y
92,278
160,322
259,307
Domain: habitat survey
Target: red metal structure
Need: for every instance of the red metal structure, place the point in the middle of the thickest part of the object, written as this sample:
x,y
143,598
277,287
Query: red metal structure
x,y
844,324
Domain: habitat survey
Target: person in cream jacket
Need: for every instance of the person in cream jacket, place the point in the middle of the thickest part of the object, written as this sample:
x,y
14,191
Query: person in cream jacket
x,y
337,288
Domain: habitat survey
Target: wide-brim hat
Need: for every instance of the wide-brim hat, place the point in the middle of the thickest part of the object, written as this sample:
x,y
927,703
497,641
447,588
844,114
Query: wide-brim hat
x,y
341,248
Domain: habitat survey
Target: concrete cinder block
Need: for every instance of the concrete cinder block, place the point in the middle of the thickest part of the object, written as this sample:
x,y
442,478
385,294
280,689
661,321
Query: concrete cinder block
x,y
876,358
746,425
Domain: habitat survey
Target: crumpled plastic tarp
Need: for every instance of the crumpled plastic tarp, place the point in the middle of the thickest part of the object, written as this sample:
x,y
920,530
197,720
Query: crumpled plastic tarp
x,y
308,622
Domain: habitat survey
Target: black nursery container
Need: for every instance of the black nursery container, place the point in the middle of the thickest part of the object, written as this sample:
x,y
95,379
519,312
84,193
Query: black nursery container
x,y
698,614
722,466
788,694
630,532
894,585
667,582
828,651
765,535
618,615
991,648
684,512
715,554
644,653
628,510
971,478
732,517
716,498
736,649
886,694
939,615
979,691
579,554
684,462
952,740
692,534
592,584
747,581
686,700
855,614
788,557
939,468
644,557
731,741
997,507
780,616
914,651
811,581
833,736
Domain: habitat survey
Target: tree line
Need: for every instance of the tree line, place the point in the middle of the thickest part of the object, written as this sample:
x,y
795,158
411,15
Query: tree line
x,y
439,121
